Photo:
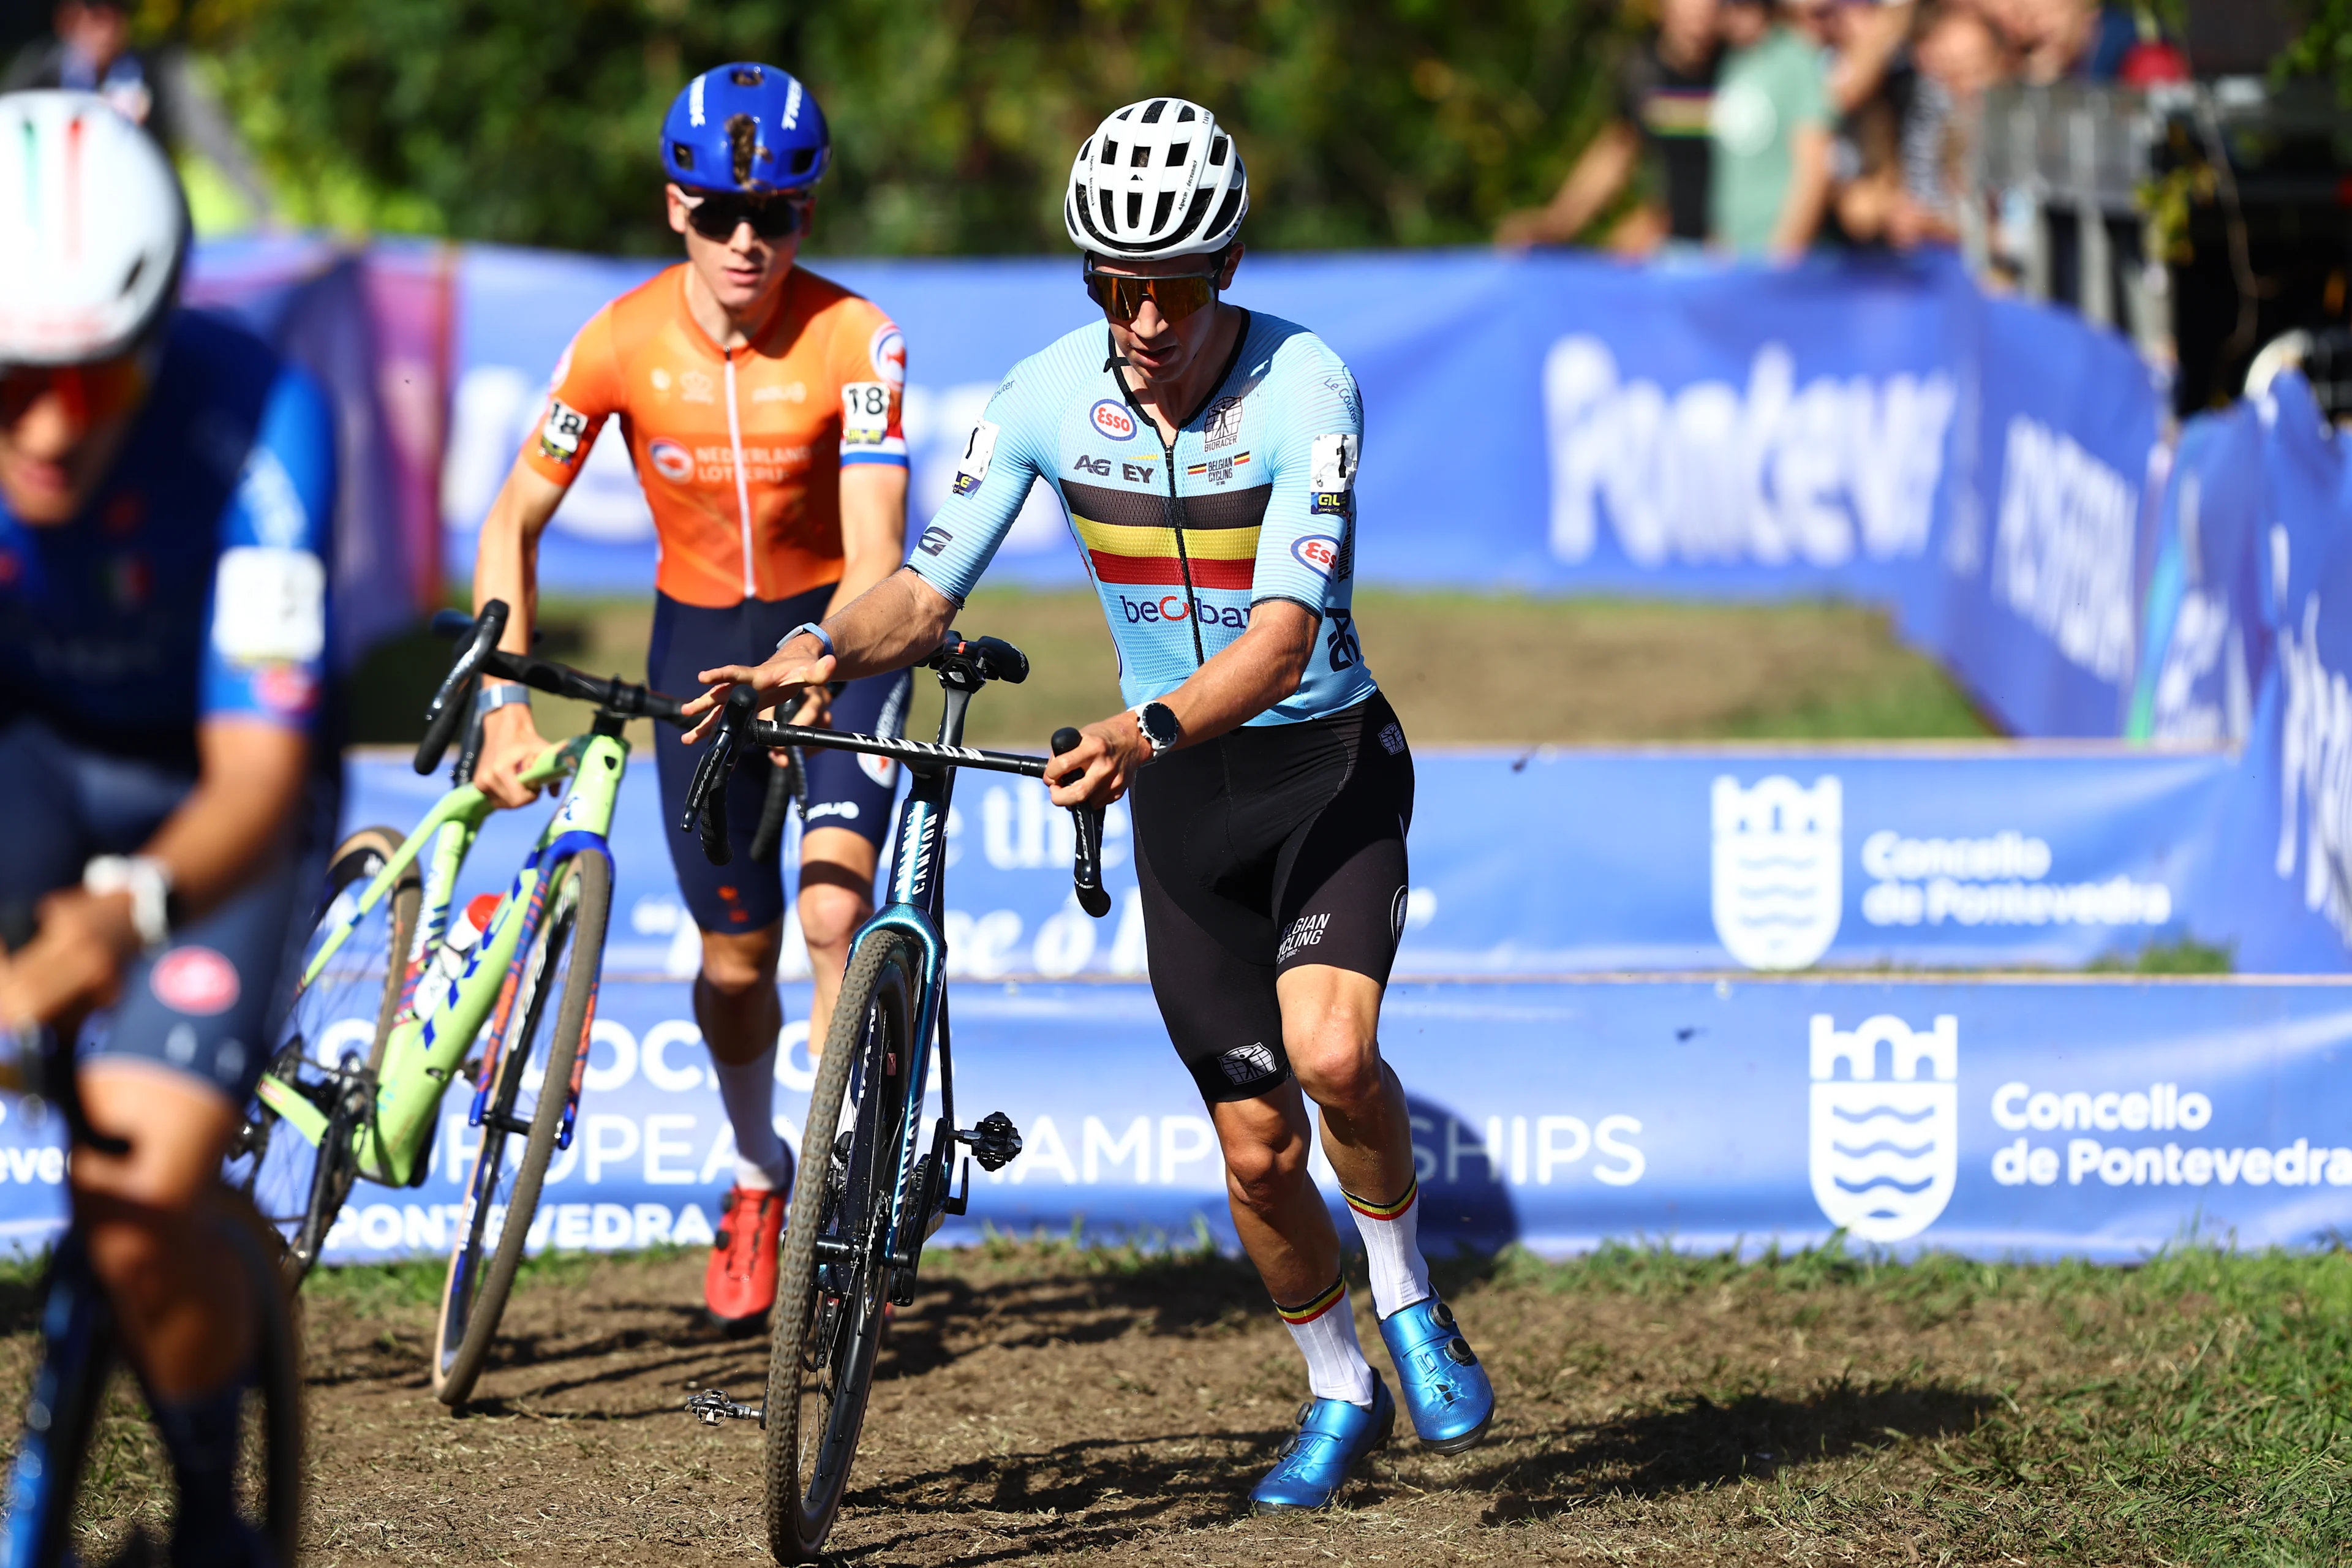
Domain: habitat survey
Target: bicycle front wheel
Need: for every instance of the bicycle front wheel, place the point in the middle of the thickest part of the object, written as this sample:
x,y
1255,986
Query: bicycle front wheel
x,y
547,1031
329,1050
833,1280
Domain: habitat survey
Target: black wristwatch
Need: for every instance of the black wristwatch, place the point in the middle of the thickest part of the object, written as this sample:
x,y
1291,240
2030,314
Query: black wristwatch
x,y
1157,720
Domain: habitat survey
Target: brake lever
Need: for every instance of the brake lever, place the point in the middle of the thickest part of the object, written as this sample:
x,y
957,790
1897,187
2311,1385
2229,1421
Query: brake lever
x,y
1086,865
453,702
706,798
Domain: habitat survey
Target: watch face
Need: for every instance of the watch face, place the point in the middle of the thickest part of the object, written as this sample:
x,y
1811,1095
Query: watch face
x,y
1159,723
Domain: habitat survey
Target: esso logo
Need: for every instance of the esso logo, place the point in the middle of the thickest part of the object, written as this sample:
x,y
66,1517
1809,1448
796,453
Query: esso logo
x,y
671,461
1319,551
1114,420
194,979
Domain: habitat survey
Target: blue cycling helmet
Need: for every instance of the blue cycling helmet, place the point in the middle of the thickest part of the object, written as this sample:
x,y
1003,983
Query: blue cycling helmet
x,y
746,127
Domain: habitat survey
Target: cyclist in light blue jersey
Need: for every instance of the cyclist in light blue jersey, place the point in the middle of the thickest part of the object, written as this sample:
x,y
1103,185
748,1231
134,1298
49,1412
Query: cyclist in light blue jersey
x,y
1250,503
1206,458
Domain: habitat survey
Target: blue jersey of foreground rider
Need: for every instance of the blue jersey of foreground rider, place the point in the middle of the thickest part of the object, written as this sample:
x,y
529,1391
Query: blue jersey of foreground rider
x,y
1255,500
192,587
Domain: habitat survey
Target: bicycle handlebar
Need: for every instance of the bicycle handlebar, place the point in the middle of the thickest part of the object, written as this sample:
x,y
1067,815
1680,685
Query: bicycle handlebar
x,y
480,655
1086,865
739,730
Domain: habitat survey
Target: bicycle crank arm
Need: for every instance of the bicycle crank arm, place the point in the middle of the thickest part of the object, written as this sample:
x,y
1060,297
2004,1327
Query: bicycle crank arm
x,y
712,1406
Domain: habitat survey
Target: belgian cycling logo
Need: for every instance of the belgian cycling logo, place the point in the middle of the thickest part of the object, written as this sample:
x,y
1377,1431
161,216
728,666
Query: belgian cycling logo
x,y
1114,420
1779,892
1886,1151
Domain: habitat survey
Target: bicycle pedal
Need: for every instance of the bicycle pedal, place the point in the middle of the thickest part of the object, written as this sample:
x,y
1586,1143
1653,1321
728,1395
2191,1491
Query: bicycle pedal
x,y
712,1406
995,1142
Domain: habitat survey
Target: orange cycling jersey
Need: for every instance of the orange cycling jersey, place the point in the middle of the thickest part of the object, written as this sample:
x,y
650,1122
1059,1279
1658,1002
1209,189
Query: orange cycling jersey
x,y
737,451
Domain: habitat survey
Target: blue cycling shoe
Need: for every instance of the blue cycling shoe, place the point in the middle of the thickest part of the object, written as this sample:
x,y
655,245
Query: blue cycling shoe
x,y
1332,1435
1444,1388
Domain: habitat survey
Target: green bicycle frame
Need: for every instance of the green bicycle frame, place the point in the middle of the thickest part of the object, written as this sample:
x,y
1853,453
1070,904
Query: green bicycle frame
x,y
438,1020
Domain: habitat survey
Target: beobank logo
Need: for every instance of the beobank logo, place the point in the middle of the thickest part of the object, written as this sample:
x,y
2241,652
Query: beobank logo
x,y
1176,607
1114,420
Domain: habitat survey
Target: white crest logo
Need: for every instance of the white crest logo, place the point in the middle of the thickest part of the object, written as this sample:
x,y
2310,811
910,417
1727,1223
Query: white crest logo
x,y
1885,1152
1778,888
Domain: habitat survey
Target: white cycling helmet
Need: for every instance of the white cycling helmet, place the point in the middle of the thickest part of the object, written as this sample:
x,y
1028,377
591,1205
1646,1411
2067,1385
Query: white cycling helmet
x,y
92,229
1158,178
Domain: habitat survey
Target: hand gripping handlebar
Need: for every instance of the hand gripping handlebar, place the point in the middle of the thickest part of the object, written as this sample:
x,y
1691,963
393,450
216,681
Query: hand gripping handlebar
x,y
1085,866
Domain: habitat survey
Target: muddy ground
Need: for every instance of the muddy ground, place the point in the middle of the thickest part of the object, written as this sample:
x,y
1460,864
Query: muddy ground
x,y
1051,1406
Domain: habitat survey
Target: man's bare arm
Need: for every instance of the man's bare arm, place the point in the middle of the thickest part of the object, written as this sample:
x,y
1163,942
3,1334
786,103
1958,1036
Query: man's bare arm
x,y
1241,681
248,790
890,626
506,553
873,529
1809,193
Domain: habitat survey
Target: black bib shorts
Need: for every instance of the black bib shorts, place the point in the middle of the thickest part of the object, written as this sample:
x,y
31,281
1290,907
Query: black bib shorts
x,y
1259,851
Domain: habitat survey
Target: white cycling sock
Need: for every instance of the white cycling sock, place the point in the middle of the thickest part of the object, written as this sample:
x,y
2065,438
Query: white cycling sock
x,y
1392,1233
748,1090
1325,1329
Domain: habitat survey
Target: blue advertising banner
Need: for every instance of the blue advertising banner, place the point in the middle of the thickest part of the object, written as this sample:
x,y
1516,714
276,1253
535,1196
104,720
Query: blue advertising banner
x,y
2102,1120
1564,862
1543,421
2036,609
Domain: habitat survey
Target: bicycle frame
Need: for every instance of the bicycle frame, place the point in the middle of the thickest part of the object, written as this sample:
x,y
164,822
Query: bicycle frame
x,y
435,1024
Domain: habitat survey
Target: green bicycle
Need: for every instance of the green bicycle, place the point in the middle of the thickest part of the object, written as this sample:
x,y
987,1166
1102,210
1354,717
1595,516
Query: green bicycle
x,y
388,1005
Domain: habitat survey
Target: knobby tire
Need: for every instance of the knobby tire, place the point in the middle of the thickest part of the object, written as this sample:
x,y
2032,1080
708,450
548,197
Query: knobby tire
x,y
475,1293
331,1167
874,1023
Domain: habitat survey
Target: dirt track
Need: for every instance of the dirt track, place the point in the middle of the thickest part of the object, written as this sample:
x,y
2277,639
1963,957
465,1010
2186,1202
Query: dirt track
x,y
1047,1406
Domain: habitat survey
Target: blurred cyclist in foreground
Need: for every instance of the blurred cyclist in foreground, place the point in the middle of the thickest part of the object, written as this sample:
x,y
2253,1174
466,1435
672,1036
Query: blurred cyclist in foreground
x,y
1206,457
165,490
759,404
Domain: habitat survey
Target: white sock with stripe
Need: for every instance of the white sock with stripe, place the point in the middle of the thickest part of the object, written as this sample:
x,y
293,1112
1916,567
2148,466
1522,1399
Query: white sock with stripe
x,y
1392,1233
748,1090
1325,1329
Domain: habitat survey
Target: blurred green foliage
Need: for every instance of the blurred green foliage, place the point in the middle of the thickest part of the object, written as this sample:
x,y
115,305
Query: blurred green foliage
x,y
1365,122
2322,48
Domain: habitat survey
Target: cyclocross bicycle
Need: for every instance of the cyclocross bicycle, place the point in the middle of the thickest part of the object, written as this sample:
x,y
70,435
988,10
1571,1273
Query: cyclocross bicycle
x,y
388,1008
81,1350
872,1188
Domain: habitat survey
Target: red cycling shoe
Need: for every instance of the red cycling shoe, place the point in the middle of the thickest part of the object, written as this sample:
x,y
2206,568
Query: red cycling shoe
x,y
739,1286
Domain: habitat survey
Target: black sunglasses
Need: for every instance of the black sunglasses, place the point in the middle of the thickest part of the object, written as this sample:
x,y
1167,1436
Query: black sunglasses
x,y
715,216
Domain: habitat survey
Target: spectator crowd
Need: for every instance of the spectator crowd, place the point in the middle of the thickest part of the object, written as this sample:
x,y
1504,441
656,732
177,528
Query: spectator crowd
x,y
1765,128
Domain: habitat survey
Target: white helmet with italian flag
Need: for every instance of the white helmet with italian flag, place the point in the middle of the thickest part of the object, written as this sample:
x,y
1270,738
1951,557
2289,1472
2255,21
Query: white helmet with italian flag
x,y
93,230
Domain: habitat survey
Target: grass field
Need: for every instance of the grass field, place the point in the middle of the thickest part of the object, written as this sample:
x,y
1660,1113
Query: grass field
x,y
1041,1403
1462,669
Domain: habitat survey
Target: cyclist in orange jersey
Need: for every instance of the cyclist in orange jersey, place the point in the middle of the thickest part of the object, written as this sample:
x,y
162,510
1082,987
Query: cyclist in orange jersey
x,y
761,405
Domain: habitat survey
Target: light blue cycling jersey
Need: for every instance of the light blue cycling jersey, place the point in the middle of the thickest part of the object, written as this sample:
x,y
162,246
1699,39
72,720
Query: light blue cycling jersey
x,y
1256,500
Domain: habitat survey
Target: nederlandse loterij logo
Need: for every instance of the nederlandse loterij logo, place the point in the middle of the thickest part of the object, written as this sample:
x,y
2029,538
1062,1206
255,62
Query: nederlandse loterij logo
x,y
1886,1151
1777,887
